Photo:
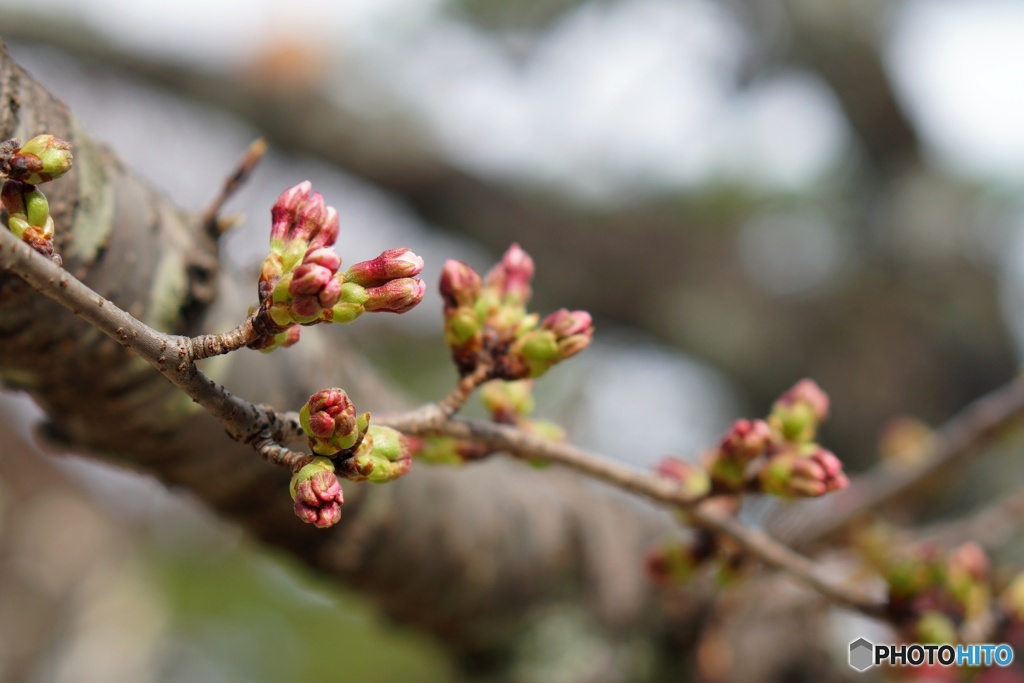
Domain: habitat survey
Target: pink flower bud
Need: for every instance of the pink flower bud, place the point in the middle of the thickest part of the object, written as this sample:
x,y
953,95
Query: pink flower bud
x,y
282,213
746,439
317,493
330,421
694,479
511,277
300,217
396,296
564,322
807,392
460,285
798,412
791,475
390,265
309,278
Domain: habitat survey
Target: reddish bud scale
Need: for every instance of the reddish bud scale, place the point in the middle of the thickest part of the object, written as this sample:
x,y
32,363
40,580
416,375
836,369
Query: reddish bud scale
x,y
460,285
510,279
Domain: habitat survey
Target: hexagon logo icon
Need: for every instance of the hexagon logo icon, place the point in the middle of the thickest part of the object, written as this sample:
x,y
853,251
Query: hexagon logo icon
x,y
862,654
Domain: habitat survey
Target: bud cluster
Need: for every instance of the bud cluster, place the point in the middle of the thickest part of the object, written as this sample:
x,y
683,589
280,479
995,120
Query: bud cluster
x,y
775,456
40,160
301,282
486,321
932,593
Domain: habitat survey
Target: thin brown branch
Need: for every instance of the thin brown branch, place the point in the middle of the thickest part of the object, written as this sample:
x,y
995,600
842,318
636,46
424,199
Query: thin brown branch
x,y
211,216
424,421
454,401
968,432
171,355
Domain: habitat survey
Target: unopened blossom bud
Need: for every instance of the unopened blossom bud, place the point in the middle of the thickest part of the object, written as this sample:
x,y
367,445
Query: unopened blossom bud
x,y
798,412
790,474
746,439
330,421
300,221
445,450
285,209
967,577
573,329
40,160
395,296
693,479
384,455
510,279
531,355
905,441
460,285
507,402
390,265
28,215
317,493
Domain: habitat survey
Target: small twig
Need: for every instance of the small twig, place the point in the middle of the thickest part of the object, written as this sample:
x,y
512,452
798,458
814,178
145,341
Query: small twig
x,y
423,421
454,401
172,355
970,430
252,157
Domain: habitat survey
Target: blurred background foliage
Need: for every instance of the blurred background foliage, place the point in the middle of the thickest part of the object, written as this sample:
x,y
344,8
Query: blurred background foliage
x,y
743,193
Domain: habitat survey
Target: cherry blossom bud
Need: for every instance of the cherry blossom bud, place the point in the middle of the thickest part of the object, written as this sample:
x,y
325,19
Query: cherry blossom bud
x,y
285,209
460,285
741,444
390,265
395,296
384,455
330,421
507,402
798,412
511,277
445,450
789,474
573,329
317,493
28,216
693,479
299,221
40,160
